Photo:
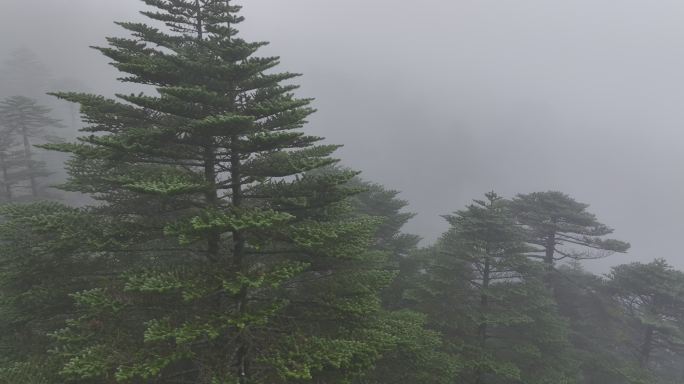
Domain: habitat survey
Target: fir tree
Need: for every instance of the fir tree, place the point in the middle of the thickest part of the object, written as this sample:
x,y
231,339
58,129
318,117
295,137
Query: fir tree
x,y
240,266
485,296
494,253
24,123
414,352
562,228
651,296
375,200
598,328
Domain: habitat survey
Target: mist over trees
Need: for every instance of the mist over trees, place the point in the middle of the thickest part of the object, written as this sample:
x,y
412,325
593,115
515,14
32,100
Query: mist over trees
x,y
208,237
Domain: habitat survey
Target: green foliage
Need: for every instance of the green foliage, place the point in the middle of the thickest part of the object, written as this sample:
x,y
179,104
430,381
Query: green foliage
x,y
482,292
225,247
651,297
598,328
29,372
557,224
236,259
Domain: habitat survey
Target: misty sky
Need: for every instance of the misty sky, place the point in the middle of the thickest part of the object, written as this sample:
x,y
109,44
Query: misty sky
x,y
445,100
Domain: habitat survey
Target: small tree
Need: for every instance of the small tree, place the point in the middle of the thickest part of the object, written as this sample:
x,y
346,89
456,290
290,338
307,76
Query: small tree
x,y
24,123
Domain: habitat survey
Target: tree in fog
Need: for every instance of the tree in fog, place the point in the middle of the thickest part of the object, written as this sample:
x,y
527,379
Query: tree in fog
x,y
562,228
376,200
652,296
240,266
24,123
486,297
414,353
487,240
10,163
599,328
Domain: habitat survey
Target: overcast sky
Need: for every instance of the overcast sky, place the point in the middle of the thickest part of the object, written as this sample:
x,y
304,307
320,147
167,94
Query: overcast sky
x,y
445,100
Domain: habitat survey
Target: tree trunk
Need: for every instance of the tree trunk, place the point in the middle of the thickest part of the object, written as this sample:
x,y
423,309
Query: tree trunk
x,y
211,197
29,163
243,345
549,253
243,350
484,307
646,347
5,176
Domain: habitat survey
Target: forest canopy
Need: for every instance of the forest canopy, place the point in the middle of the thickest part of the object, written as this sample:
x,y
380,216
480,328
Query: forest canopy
x,y
203,235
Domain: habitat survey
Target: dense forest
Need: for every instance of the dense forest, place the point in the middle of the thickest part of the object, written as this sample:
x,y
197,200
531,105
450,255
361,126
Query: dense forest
x,y
201,236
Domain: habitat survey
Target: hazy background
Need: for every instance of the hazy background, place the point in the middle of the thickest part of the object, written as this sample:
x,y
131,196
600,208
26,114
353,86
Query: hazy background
x,y
445,100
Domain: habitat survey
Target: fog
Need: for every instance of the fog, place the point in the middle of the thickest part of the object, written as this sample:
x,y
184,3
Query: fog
x,y
446,100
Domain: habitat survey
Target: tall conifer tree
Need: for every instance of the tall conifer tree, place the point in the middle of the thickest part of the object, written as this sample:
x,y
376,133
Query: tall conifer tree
x,y
240,266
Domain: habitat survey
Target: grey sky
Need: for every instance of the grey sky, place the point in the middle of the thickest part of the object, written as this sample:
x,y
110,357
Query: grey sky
x,y
445,100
